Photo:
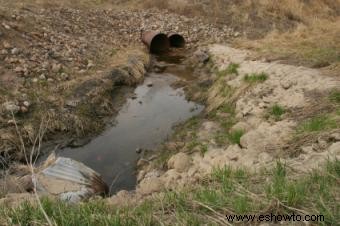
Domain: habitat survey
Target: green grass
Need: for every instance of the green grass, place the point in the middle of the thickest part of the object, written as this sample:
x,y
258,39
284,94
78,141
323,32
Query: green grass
x,y
237,191
235,136
276,111
335,97
255,78
317,124
231,69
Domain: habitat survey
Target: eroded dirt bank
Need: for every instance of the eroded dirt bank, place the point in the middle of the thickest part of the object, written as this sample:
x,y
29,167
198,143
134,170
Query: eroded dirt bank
x,y
257,114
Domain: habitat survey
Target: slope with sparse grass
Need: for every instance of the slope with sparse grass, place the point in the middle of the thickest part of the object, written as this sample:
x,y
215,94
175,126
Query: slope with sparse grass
x,y
226,192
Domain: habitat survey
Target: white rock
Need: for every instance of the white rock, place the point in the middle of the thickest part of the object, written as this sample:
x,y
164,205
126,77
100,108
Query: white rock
x,y
15,51
26,103
42,77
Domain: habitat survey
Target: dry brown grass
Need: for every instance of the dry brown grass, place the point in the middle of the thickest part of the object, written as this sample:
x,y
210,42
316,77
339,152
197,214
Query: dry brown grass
x,y
315,45
82,4
302,32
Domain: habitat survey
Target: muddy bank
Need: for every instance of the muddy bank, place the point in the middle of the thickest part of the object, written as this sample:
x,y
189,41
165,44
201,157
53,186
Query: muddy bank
x,y
80,111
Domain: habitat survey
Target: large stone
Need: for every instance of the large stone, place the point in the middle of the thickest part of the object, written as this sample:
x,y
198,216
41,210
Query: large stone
x,y
150,185
180,162
335,137
334,149
241,126
171,178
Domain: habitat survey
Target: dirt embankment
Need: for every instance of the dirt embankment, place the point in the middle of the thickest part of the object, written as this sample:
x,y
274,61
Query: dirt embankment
x,y
257,113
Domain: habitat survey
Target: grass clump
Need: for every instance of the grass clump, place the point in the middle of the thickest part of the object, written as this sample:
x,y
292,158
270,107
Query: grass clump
x,y
235,136
318,123
256,78
276,111
233,68
335,97
230,70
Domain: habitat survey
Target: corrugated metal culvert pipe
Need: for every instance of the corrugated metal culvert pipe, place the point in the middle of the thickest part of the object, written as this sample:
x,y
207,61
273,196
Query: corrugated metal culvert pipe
x,y
157,42
176,40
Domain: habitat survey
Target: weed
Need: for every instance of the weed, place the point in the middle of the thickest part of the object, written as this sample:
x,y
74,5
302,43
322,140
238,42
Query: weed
x,y
316,124
231,69
335,96
276,111
235,136
221,138
256,78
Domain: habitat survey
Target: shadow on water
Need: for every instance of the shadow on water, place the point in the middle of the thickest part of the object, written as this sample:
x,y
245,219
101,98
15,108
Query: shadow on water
x,y
144,122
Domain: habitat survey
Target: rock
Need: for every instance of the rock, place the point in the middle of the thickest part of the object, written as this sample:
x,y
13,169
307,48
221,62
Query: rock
x,y
19,70
141,163
42,77
240,126
10,107
334,149
286,84
6,26
139,150
201,56
4,52
56,68
64,76
150,185
208,130
335,137
6,45
45,65
159,68
15,51
34,80
90,65
322,143
11,122
171,178
140,175
150,84
180,162
264,157
23,109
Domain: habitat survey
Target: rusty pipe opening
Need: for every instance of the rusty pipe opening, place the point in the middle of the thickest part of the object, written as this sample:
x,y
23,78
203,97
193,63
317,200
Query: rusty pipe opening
x,y
176,40
156,42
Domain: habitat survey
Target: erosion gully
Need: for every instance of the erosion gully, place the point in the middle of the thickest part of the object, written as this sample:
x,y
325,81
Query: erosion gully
x,y
143,123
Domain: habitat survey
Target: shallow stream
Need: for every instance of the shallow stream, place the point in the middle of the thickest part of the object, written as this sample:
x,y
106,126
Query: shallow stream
x,y
144,122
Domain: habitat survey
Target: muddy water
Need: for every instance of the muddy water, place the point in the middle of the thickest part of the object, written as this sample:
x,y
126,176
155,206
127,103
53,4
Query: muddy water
x,y
144,122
